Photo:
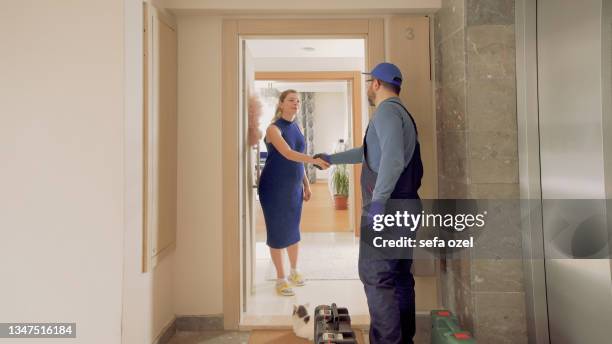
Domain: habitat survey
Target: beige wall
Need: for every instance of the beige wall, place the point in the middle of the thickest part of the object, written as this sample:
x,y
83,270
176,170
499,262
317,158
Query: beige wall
x,y
137,300
198,278
162,291
148,298
61,143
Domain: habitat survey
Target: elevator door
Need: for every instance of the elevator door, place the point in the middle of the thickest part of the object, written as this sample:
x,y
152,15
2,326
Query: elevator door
x,y
573,51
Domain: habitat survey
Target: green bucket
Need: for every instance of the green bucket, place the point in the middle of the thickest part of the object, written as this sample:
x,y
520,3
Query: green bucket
x,y
445,329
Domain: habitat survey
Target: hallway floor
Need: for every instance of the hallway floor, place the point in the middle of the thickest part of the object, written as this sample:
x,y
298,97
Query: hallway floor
x,y
211,337
274,337
338,251
244,337
266,308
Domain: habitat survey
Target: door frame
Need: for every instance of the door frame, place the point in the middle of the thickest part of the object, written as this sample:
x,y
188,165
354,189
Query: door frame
x,y
529,171
371,30
354,77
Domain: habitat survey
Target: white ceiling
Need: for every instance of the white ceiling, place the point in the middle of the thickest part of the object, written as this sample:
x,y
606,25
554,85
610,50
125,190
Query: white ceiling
x,y
266,48
324,86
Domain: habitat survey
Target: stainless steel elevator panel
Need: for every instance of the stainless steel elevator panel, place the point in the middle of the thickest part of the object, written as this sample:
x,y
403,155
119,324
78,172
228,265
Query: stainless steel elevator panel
x,y
571,106
607,112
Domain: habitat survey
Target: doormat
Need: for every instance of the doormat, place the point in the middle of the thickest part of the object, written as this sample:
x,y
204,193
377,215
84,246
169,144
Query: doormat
x,y
337,261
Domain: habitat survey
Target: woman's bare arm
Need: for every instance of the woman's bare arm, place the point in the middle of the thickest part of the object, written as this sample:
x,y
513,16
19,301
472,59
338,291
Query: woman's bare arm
x,y
305,181
273,135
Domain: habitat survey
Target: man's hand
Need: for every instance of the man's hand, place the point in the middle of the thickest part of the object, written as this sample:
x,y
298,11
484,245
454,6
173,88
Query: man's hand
x,y
323,156
375,208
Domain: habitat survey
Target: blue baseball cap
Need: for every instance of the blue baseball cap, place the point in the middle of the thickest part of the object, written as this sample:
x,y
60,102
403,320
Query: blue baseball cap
x,y
387,72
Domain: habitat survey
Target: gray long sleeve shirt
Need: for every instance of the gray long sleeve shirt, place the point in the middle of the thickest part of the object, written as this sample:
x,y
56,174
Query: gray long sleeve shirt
x,y
391,139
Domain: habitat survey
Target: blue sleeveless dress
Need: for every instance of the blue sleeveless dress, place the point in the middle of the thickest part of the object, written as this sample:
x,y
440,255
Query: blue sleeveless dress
x,y
281,189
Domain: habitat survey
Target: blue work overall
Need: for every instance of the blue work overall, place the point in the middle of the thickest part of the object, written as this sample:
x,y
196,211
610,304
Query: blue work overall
x,y
388,283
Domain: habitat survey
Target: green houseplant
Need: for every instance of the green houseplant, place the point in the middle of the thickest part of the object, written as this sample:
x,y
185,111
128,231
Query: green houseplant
x,y
340,185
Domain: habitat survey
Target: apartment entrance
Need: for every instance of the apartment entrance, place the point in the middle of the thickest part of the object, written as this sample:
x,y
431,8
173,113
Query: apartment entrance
x,y
237,155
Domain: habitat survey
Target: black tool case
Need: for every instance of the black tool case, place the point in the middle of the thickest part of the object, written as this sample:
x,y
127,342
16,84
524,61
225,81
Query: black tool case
x,y
333,326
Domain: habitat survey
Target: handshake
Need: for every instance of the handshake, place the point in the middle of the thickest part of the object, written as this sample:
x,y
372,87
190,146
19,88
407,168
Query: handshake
x,y
322,161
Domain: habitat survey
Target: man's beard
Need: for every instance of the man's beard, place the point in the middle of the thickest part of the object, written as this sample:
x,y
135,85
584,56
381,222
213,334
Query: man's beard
x,y
371,99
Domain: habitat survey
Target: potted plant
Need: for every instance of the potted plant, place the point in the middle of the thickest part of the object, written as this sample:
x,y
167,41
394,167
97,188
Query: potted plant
x,y
340,186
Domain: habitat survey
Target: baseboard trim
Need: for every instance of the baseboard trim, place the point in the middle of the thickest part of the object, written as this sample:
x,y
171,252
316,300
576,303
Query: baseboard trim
x,y
167,333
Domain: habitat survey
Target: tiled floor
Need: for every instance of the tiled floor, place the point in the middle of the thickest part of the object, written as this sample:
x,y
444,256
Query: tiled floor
x,y
211,337
286,337
235,337
223,337
266,308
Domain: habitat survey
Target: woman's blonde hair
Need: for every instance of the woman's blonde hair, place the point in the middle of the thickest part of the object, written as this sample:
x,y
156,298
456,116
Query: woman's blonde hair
x,y
278,112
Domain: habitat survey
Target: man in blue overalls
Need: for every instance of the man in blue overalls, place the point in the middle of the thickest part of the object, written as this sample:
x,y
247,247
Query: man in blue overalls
x,y
392,170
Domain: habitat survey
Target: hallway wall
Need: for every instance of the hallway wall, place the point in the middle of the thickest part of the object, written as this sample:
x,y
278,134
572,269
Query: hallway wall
x,y
148,298
61,143
199,275
478,159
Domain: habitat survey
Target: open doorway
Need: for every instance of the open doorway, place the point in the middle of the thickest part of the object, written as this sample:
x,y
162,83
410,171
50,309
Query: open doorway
x,y
327,75
236,208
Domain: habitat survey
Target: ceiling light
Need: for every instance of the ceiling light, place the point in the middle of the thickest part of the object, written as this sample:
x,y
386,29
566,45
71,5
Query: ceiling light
x,y
269,92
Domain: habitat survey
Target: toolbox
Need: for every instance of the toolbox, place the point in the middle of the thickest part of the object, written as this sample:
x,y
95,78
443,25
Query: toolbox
x,y
333,325
445,329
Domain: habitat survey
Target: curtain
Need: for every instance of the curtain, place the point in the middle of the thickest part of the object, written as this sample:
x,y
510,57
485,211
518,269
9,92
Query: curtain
x,y
307,123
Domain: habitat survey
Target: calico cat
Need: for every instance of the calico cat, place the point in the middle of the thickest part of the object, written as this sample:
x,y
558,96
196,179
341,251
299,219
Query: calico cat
x,y
303,324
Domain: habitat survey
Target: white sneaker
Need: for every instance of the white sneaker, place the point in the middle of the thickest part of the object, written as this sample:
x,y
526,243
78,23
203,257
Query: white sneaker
x,y
283,288
296,278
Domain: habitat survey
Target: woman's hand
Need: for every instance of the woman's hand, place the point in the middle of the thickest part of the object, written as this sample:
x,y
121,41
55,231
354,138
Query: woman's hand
x,y
307,194
324,165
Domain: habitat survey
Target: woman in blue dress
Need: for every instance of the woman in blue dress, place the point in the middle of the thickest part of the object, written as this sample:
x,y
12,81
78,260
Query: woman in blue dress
x,y
283,186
